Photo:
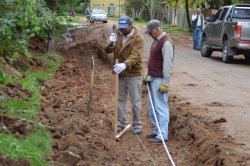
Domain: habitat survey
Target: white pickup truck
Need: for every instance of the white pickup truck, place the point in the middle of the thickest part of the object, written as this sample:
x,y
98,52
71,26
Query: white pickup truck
x,y
229,32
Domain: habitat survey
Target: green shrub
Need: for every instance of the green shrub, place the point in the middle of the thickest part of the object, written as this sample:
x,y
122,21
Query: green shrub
x,y
82,5
79,10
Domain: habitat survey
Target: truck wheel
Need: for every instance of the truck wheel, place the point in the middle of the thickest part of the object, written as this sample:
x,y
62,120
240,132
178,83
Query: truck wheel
x,y
247,56
225,50
205,50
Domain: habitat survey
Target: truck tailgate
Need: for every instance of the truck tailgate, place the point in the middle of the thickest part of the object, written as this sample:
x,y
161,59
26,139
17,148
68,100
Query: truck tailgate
x,y
245,31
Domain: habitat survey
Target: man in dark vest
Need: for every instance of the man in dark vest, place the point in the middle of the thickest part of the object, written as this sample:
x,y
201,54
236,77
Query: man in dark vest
x,y
160,67
198,25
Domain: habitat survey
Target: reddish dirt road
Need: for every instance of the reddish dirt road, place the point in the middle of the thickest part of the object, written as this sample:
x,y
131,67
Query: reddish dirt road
x,y
201,97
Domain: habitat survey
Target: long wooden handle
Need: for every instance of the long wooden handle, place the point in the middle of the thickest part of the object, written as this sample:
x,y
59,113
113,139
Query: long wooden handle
x,y
116,101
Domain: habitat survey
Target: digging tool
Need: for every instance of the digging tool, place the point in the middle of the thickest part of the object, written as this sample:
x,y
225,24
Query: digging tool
x,y
117,137
91,84
111,44
114,28
116,100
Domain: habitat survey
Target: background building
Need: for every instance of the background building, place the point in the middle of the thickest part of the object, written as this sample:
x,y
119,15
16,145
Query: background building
x,y
112,7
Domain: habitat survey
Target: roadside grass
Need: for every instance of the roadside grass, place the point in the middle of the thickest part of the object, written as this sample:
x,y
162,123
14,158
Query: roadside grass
x,y
68,19
19,109
113,18
170,29
4,78
53,60
36,146
72,20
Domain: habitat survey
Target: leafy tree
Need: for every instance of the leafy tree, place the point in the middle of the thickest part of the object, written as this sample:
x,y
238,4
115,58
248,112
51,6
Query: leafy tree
x,y
240,1
150,6
20,20
51,32
190,6
134,7
187,13
63,6
227,2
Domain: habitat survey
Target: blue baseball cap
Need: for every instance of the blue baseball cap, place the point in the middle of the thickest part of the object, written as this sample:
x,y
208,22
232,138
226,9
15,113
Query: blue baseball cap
x,y
124,21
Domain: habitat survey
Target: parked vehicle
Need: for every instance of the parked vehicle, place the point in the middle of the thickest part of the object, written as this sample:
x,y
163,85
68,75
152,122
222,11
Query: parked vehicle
x,y
229,32
98,15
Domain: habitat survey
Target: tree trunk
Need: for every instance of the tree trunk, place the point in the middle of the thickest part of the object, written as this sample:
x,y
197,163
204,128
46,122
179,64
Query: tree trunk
x,y
187,14
51,39
51,32
217,4
152,9
150,6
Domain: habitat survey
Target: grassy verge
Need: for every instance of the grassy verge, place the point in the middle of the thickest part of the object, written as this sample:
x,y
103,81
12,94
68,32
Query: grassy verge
x,y
34,147
37,145
170,29
73,20
67,19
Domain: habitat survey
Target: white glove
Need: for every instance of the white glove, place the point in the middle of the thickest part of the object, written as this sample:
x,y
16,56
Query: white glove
x,y
112,39
120,67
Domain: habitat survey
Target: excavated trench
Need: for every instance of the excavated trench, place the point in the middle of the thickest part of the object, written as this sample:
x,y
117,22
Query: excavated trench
x,y
79,139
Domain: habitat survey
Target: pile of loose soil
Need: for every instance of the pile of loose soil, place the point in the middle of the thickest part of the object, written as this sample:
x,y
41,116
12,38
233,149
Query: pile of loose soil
x,y
201,139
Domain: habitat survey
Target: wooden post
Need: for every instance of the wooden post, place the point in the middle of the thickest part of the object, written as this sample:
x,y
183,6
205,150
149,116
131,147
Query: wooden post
x,y
91,85
116,100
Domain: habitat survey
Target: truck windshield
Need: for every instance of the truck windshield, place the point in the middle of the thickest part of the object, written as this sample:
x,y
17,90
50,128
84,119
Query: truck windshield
x,y
242,13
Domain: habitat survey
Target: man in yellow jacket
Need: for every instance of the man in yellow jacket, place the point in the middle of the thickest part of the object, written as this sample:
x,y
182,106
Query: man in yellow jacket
x,y
128,44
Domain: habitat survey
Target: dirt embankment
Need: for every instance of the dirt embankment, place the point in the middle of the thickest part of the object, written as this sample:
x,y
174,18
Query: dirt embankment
x,y
80,139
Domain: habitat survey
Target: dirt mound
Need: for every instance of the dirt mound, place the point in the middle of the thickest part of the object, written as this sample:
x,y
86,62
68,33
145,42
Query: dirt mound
x,y
201,139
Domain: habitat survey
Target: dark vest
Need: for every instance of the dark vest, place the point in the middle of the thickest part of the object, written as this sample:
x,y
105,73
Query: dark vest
x,y
194,23
155,63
